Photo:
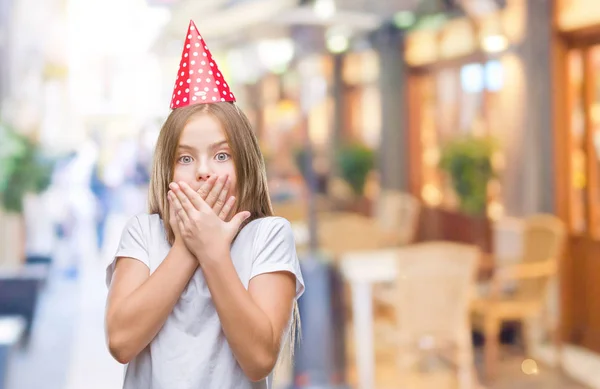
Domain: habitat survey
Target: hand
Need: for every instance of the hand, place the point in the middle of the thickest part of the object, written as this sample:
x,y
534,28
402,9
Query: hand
x,y
205,234
214,191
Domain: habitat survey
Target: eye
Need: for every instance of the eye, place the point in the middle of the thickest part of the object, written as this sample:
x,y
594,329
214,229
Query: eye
x,y
222,157
185,159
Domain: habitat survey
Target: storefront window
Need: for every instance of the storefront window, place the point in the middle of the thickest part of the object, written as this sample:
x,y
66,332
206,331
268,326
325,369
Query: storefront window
x,y
578,170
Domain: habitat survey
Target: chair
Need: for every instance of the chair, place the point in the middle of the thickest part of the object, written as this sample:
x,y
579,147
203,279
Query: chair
x,y
293,210
528,279
398,216
340,233
434,289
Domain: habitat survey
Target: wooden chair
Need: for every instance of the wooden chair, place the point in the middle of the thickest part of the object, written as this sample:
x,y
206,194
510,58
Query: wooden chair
x,y
340,233
434,289
543,242
398,216
291,210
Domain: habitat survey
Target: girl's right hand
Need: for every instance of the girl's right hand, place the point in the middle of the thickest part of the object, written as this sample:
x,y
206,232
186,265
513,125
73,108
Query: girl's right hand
x,y
214,192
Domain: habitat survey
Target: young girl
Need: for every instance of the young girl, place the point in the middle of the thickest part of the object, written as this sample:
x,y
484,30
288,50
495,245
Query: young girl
x,y
203,288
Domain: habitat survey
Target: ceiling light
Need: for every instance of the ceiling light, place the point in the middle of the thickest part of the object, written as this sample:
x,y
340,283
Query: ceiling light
x,y
324,9
494,43
337,44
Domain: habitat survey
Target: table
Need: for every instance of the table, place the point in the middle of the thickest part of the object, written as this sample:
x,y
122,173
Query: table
x,y
362,270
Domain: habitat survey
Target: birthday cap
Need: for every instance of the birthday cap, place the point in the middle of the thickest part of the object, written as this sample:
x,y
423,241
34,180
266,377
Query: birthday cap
x,y
199,79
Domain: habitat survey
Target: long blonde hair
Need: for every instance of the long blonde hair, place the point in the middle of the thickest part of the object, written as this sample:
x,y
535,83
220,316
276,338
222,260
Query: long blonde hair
x,y
251,176
249,164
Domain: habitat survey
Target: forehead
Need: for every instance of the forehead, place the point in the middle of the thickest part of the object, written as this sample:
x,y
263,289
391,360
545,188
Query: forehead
x,y
202,130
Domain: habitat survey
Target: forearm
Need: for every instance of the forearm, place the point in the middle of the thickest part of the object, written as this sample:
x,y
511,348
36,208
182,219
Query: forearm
x,y
246,327
135,320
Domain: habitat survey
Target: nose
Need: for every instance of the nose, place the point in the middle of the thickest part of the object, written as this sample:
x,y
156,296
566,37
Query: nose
x,y
203,173
203,177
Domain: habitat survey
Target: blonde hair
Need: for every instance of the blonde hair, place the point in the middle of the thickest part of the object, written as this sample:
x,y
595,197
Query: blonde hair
x,y
249,164
250,171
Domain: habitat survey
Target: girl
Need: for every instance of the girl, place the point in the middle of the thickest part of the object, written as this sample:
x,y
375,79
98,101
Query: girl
x,y
199,298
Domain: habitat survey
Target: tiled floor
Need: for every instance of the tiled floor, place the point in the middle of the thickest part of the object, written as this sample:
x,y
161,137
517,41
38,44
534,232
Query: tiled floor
x,y
510,375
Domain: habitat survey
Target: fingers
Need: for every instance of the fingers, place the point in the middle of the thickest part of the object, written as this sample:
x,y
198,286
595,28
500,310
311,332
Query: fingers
x,y
207,186
238,219
191,197
222,199
183,200
215,194
224,214
177,207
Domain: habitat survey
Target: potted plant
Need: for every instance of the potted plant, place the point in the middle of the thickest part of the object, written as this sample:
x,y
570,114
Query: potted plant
x,y
355,162
468,163
24,169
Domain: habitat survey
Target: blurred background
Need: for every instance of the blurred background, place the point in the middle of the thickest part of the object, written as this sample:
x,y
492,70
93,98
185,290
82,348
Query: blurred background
x,y
452,149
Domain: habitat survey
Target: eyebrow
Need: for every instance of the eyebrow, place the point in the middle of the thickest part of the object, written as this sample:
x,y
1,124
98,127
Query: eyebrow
x,y
218,144
210,146
186,147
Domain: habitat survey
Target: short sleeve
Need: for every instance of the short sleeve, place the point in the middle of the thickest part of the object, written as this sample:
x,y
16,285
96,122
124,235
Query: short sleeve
x,y
275,250
132,244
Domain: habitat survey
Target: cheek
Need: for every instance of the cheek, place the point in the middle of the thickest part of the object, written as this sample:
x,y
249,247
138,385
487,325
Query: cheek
x,y
183,173
233,187
222,169
232,180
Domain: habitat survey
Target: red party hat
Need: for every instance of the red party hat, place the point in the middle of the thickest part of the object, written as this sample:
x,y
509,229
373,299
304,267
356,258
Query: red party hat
x,y
199,79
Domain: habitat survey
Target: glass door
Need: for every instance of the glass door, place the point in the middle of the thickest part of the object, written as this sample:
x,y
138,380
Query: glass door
x,y
584,140
593,137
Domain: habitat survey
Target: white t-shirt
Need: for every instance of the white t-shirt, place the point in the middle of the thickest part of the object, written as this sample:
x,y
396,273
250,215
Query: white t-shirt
x,y
191,351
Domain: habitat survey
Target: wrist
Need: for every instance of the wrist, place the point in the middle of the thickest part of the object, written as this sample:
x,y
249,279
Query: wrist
x,y
181,249
214,257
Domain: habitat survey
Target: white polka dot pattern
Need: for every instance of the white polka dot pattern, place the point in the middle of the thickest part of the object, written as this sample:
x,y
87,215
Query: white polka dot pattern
x,y
191,90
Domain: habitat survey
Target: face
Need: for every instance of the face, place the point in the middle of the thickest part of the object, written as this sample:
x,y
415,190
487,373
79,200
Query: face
x,y
203,152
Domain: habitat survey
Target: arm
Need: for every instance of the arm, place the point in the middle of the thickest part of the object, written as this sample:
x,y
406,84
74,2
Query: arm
x,y
139,304
255,320
524,270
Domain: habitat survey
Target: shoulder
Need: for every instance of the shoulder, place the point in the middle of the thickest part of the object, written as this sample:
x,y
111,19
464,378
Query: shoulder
x,y
266,227
145,224
264,231
274,249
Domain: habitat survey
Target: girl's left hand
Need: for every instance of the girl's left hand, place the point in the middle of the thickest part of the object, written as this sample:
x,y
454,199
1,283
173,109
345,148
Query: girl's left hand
x,y
204,233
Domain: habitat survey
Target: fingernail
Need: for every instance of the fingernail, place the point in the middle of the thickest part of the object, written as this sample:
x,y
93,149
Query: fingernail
x,y
172,185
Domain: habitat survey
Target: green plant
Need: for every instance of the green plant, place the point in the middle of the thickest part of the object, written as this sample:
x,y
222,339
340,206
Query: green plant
x,y
355,161
468,162
24,168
